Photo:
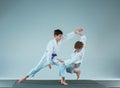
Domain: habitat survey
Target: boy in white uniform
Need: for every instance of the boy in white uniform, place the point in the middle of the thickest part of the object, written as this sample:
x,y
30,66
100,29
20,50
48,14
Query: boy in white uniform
x,y
51,56
76,56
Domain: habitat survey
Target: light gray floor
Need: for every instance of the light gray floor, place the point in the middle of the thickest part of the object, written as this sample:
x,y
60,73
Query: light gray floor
x,y
56,84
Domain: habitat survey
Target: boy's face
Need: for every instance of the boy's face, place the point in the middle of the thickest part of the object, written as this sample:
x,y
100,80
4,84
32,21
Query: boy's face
x,y
58,37
77,50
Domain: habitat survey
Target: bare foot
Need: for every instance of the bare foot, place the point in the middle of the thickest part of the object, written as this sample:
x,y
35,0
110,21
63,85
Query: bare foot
x,y
23,79
64,83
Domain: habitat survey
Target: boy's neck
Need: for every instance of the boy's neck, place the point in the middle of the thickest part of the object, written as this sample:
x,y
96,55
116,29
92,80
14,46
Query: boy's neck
x,y
57,41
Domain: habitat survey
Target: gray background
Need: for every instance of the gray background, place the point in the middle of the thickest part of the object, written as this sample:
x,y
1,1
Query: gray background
x,y
26,26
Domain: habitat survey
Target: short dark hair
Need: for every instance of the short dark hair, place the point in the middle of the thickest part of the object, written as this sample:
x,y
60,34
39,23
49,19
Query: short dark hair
x,y
78,45
57,32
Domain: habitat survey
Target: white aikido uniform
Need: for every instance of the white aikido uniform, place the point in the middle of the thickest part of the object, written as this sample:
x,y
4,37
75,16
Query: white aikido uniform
x,y
76,57
50,55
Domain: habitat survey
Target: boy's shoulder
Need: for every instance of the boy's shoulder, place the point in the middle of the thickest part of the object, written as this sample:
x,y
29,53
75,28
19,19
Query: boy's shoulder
x,y
51,41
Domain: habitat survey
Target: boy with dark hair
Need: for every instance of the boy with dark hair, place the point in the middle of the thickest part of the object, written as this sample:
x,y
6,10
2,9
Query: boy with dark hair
x,y
51,56
57,32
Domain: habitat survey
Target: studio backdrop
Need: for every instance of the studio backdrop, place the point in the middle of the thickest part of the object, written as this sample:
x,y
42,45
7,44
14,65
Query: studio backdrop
x,y
26,26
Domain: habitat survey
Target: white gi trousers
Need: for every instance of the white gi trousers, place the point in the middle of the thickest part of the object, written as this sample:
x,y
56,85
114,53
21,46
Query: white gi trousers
x,y
43,63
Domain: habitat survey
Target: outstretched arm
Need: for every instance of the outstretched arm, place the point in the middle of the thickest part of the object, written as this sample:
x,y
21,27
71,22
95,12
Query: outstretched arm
x,y
72,34
82,38
60,60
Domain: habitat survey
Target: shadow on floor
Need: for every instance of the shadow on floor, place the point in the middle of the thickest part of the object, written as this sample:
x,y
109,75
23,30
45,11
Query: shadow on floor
x,y
56,84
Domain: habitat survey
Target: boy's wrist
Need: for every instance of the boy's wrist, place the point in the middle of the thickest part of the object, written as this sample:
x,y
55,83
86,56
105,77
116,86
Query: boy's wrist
x,y
78,31
49,65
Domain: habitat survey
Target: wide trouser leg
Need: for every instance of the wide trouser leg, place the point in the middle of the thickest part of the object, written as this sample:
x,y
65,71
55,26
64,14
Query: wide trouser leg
x,y
61,67
42,64
70,68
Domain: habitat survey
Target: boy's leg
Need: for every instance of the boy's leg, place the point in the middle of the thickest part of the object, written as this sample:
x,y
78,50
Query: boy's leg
x,y
77,72
62,71
71,69
24,78
40,65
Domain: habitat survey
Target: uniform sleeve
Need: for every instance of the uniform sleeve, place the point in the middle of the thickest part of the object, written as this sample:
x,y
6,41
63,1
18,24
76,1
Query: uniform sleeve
x,y
83,39
49,50
68,36
82,55
72,60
